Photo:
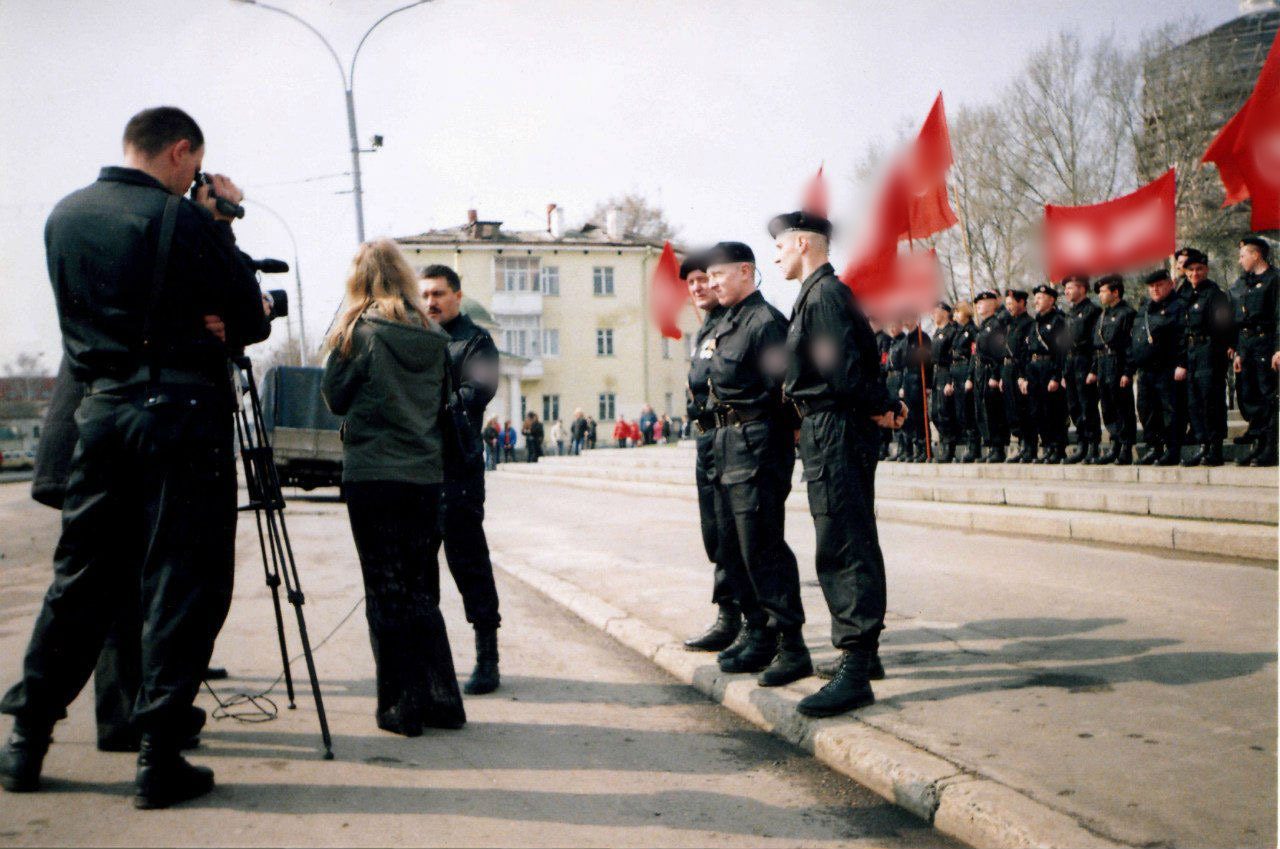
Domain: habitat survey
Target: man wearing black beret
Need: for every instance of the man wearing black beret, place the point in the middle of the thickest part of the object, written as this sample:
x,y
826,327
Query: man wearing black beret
x,y
1255,297
1017,407
1082,396
1208,333
988,361
833,380
1156,350
1041,378
753,454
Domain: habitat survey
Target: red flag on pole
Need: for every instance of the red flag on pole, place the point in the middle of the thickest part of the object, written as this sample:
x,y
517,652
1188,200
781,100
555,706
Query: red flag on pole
x,y
815,195
926,165
668,294
1114,235
870,272
1247,149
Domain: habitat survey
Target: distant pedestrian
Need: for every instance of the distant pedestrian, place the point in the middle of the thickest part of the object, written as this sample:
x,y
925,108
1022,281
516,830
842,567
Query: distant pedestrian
x,y
577,432
557,436
621,430
492,436
508,443
591,432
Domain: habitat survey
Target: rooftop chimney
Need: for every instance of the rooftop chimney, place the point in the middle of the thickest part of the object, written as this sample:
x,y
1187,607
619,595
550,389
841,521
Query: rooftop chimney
x,y
613,224
472,217
551,208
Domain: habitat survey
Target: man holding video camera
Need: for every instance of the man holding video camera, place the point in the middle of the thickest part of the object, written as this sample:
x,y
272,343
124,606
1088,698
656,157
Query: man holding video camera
x,y
152,295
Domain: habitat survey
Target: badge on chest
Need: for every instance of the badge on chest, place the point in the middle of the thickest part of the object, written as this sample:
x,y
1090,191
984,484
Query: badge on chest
x,y
708,349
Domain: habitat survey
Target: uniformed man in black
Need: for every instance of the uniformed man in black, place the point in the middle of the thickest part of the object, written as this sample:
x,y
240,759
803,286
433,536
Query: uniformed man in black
x,y
1157,349
149,510
1254,295
753,456
1112,369
942,410
884,341
1017,406
833,380
1082,396
911,354
892,355
1041,378
1209,332
959,392
988,365
693,271
473,367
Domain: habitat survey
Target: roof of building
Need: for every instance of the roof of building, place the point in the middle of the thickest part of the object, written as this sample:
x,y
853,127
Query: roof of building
x,y
491,232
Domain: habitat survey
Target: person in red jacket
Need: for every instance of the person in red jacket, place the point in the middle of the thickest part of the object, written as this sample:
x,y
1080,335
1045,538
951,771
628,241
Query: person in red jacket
x,y
621,431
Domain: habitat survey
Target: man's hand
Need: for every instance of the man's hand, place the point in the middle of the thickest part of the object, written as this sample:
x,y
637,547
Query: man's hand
x,y
223,188
1023,385
968,386
1237,364
1053,385
1179,373
1124,381
796,434
949,390
1090,379
215,325
994,384
1275,361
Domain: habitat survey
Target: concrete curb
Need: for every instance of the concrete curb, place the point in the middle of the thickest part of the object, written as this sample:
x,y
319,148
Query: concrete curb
x,y
963,805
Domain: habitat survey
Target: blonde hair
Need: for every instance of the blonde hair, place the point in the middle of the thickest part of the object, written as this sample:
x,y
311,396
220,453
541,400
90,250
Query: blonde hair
x,y
965,309
380,279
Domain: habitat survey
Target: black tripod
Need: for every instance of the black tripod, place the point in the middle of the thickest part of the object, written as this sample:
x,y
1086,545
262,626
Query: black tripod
x,y
262,479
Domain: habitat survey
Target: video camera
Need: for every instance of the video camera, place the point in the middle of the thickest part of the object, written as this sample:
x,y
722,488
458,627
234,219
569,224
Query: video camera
x,y
277,299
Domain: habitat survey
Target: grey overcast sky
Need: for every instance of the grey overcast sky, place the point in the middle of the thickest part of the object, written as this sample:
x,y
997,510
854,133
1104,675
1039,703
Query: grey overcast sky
x,y
718,111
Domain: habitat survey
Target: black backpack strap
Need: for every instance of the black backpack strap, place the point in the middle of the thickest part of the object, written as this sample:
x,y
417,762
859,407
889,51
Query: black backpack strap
x,y
167,222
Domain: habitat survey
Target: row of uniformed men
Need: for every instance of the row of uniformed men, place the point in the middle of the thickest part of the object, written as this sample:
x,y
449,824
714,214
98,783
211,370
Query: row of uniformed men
x,y
1010,372
760,388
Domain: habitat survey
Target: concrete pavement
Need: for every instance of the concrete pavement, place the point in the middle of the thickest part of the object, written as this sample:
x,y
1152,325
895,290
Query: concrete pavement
x,y
585,745
1131,690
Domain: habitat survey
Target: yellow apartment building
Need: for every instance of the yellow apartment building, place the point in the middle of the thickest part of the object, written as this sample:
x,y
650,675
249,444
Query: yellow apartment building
x,y
569,310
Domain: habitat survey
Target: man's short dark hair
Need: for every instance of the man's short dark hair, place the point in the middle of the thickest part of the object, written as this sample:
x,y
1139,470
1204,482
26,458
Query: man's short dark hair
x,y
1016,294
444,272
1082,279
153,130
1114,282
1259,244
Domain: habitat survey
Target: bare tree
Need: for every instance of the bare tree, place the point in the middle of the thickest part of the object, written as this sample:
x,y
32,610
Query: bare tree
x,y
638,218
29,373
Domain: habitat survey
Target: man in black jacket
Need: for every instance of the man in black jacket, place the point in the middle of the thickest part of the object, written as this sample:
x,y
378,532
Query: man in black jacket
x,y
473,366
942,411
1082,396
1040,379
1157,349
1209,332
149,511
1017,406
988,362
833,381
1255,296
1112,369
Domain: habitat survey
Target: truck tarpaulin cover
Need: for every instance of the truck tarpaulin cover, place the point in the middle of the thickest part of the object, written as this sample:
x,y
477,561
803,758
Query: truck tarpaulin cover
x,y
291,398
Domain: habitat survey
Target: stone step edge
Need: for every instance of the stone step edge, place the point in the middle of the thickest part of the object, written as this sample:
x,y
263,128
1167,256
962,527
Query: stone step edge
x,y
969,807
1185,536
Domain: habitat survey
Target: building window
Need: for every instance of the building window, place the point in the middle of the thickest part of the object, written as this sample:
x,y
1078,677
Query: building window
x,y
551,343
602,280
516,274
608,402
550,276
669,398
524,406
604,342
550,408
521,334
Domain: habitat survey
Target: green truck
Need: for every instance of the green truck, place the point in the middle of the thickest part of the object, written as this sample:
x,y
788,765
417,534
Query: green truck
x,y
303,433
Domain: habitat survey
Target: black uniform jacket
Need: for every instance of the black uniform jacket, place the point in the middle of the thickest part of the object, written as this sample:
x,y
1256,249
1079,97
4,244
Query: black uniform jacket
x,y
1048,339
963,350
942,353
1113,336
834,357
1017,329
1208,317
1081,320
101,247
1256,304
1157,334
473,365
700,368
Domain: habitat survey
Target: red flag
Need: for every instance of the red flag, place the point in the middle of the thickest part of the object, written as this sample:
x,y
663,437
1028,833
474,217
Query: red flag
x,y
1247,149
926,165
668,293
1112,236
912,284
815,195
870,272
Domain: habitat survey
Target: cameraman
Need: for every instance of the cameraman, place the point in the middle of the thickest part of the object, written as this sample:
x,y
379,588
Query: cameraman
x,y
151,296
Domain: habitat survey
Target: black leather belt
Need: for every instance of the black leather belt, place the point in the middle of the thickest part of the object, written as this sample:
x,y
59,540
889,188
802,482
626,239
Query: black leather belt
x,y
144,376
808,408
733,417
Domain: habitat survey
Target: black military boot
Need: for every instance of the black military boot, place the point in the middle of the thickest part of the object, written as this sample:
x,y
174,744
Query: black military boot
x,y
1053,455
1026,452
1269,455
1247,458
737,645
758,649
1149,456
1212,454
721,634
850,689
791,663
165,778
484,678
828,668
1079,455
973,452
1124,457
919,454
1196,458
130,742
23,756
996,455
1091,454
1106,458
1171,457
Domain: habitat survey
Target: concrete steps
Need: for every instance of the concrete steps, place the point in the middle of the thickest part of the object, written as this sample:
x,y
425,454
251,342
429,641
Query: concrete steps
x,y
1227,512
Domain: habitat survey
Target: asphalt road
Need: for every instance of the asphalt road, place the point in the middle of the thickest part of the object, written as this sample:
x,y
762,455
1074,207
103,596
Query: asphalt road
x,y
585,744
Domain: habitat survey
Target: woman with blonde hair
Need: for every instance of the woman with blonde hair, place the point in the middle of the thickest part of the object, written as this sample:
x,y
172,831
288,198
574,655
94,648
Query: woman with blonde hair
x,y
386,375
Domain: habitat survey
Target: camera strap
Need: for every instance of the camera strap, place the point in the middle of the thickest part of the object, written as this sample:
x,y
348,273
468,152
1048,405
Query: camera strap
x,y
167,222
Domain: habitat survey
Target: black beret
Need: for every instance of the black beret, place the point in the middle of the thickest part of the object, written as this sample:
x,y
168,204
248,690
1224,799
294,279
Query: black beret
x,y
728,252
1156,276
1259,243
986,295
1195,256
1045,289
695,261
943,305
806,221
1112,281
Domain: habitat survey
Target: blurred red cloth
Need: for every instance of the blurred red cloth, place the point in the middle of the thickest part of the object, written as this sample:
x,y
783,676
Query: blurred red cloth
x,y
815,195
668,293
1115,235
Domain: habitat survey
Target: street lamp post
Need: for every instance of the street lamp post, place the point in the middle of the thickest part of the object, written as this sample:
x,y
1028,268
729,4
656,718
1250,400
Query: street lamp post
x,y
348,86
297,277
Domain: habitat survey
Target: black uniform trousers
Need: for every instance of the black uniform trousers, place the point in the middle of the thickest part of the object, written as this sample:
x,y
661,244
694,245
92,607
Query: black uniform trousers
x,y
1162,407
1017,407
1117,401
1047,422
393,523
1256,383
753,479
942,411
893,384
460,527
840,470
1082,399
1207,392
989,404
914,397
962,402
721,589
150,512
